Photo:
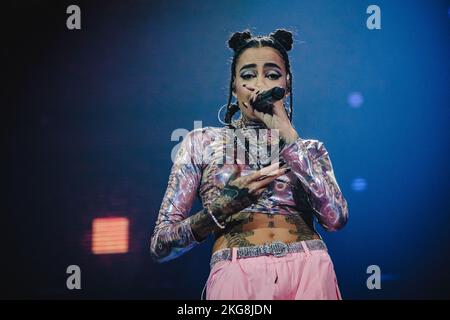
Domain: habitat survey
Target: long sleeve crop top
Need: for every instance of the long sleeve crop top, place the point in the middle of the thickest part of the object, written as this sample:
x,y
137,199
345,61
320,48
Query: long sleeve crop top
x,y
202,166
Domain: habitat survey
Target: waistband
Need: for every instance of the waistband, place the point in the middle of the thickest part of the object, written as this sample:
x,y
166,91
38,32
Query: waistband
x,y
276,248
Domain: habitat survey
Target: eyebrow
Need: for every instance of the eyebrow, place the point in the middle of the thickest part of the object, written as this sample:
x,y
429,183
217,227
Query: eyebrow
x,y
267,64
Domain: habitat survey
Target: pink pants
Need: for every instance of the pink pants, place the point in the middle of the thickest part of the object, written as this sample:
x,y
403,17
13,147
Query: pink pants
x,y
305,275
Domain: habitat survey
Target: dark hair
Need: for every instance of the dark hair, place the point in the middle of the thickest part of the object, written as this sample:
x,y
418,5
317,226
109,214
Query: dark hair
x,y
281,40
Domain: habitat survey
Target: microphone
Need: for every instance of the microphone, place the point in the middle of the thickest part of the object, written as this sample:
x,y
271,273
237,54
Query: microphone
x,y
264,101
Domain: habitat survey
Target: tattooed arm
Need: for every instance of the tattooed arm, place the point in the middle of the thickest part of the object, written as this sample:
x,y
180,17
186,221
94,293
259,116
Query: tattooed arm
x,y
310,162
173,235
237,194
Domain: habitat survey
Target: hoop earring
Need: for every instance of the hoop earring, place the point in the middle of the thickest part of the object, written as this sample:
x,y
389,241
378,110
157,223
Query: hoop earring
x,y
218,115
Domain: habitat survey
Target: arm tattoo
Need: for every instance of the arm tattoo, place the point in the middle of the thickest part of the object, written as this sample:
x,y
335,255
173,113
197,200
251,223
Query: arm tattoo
x,y
202,224
232,199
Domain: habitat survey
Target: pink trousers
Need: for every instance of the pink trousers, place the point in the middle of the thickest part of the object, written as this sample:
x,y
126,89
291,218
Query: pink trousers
x,y
305,275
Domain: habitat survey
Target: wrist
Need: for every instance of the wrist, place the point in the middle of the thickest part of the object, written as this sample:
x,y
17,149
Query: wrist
x,y
202,224
217,211
215,218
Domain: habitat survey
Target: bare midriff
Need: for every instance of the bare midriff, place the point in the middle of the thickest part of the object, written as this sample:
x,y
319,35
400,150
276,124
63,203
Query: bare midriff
x,y
250,229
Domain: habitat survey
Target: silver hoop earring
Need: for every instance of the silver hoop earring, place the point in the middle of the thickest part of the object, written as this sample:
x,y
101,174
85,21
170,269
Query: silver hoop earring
x,y
218,115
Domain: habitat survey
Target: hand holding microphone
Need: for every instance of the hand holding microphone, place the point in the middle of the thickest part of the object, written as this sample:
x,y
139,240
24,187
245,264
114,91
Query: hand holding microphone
x,y
264,100
267,109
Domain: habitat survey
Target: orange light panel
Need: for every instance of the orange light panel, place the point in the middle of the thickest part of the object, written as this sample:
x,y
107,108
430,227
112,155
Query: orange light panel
x,y
110,235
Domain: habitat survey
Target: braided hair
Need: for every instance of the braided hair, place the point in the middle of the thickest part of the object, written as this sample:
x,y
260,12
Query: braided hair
x,y
280,40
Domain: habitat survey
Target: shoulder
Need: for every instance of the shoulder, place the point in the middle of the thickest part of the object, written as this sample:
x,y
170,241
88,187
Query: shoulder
x,y
315,147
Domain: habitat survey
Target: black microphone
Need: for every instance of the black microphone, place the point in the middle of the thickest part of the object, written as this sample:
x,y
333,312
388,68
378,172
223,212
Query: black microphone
x,y
264,100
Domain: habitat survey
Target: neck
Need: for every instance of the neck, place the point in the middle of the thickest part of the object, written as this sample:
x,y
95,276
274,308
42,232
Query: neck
x,y
244,122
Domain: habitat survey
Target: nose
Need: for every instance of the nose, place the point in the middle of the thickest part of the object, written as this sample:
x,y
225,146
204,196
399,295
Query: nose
x,y
259,84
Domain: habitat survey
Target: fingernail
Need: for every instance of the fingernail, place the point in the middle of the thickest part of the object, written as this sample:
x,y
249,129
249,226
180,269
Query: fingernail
x,y
287,170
